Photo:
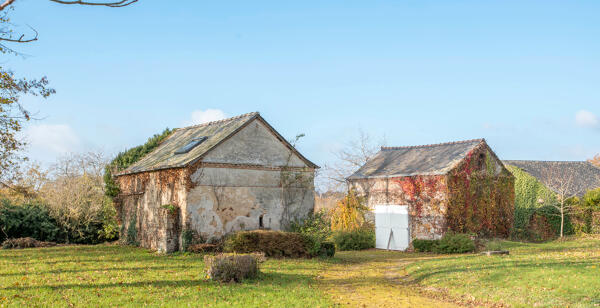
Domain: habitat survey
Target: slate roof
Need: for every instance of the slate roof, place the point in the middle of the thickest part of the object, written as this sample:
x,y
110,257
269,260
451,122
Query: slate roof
x,y
163,156
583,175
432,159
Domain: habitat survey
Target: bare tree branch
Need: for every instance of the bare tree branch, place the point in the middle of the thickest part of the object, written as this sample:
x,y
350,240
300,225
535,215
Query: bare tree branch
x,y
350,158
6,4
563,184
21,38
121,3
108,4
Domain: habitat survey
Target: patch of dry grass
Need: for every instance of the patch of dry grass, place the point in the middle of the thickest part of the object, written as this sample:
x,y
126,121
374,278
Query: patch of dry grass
x,y
375,279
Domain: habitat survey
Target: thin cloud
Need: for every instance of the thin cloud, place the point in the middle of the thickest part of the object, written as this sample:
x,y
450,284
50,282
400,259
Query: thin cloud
x,y
587,119
204,116
47,141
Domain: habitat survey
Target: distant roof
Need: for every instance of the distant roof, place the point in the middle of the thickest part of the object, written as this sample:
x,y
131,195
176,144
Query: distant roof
x,y
582,175
164,157
432,159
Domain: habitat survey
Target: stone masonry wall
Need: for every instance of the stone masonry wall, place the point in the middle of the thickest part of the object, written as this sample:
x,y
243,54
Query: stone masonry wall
x,y
225,200
425,196
143,219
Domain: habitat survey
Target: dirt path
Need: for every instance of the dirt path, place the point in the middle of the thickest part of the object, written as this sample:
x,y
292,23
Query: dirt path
x,y
375,280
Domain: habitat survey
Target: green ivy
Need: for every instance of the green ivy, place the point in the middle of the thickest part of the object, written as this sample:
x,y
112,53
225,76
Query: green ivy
x,y
532,196
187,238
128,158
132,231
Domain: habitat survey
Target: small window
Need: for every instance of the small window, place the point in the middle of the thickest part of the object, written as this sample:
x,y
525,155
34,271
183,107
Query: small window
x,y
260,222
192,144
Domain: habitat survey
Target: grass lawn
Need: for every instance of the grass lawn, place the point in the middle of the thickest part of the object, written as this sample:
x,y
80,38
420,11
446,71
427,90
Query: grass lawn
x,y
556,274
103,275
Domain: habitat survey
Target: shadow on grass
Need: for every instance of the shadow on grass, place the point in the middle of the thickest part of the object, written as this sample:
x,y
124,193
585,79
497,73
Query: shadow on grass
x,y
106,269
278,279
511,269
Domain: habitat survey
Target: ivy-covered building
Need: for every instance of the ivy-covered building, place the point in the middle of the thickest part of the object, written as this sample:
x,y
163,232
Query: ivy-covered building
x,y
204,181
537,185
458,186
573,178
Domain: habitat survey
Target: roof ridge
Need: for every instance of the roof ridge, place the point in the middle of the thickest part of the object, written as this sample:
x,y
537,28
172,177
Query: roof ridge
x,y
223,120
547,161
431,145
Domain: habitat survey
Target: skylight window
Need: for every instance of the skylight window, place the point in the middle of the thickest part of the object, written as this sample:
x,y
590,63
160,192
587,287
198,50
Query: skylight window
x,y
192,144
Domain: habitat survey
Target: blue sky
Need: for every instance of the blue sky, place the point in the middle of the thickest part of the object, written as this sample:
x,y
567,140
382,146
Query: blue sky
x,y
522,74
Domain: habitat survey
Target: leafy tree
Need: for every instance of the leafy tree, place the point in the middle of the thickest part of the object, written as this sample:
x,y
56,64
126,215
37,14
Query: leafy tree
x,y
12,118
349,213
592,199
13,114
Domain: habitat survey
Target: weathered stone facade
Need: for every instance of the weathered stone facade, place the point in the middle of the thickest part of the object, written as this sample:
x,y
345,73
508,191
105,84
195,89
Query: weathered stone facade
x,y
252,179
476,194
426,197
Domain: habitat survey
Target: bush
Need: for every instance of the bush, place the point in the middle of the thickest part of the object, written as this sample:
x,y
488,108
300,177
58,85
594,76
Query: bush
x,y
449,243
231,267
25,242
455,243
493,246
354,240
203,248
425,245
275,244
316,229
591,199
540,229
327,249
349,214
27,220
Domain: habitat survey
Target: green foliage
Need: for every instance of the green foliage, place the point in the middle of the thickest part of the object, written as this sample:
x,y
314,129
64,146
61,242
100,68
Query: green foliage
x,y
316,229
110,226
586,217
358,239
35,220
129,157
455,243
172,209
12,113
424,245
592,199
27,220
449,243
272,243
187,238
533,197
131,238
327,249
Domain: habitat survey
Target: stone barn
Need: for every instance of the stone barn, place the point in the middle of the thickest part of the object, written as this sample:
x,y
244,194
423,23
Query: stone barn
x,y
212,179
458,186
